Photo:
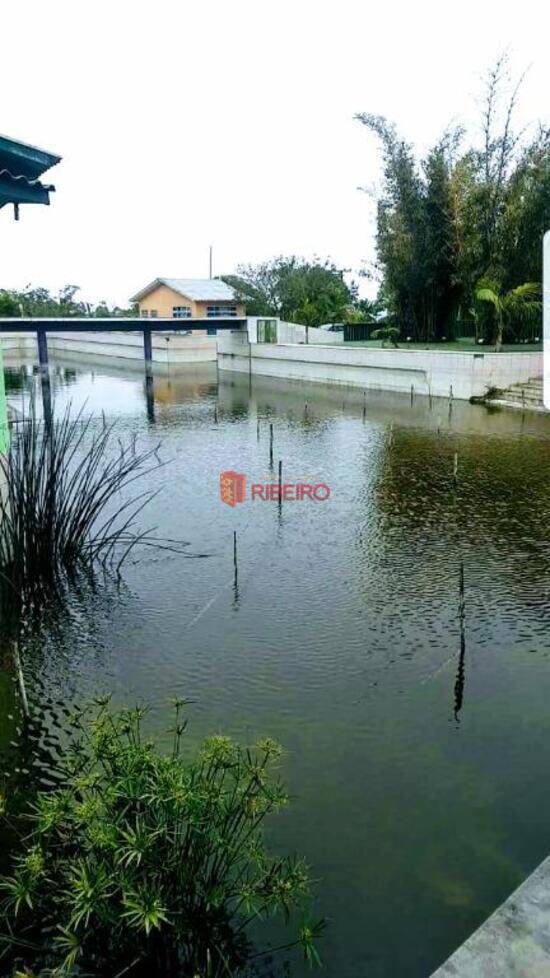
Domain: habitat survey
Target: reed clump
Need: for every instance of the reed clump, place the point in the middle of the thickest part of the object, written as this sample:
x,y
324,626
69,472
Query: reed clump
x,y
66,499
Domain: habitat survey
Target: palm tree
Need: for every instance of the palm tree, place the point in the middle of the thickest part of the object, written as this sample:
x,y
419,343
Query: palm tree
x,y
388,334
520,304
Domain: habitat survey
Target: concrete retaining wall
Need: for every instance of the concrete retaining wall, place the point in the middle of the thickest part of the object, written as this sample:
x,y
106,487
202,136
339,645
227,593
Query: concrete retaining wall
x,y
514,942
428,371
168,348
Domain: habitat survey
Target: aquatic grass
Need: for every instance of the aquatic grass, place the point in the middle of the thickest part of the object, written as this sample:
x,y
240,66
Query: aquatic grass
x,y
66,501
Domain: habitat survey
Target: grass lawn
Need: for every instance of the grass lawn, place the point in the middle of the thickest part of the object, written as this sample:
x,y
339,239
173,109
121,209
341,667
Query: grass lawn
x,y
458,346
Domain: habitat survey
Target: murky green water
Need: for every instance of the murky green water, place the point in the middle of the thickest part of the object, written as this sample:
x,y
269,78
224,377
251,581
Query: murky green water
x,y
420,784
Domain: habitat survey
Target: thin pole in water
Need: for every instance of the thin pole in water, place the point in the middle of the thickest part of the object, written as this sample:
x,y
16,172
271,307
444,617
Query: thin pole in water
x,y
21,681
215,414
280,483
271,444
412,393
257,429
455,468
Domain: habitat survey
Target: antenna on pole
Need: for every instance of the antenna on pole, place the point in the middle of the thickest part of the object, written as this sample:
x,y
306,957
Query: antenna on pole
x,y
210,263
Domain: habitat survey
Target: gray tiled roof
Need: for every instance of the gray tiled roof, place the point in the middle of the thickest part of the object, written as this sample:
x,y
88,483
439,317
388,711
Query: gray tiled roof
x,y
209,289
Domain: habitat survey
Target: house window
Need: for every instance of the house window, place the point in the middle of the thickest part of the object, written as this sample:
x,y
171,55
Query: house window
x,y
153,314
212,311
144,313
181,312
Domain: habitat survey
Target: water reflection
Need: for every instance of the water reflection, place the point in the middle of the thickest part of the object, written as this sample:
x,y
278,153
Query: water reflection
x,y
411,695
461,671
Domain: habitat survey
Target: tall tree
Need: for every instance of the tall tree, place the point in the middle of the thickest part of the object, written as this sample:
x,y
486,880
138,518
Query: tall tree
x,y
296,290
459,216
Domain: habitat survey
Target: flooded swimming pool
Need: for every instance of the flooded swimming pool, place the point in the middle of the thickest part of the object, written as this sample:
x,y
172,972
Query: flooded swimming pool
x,y
419,775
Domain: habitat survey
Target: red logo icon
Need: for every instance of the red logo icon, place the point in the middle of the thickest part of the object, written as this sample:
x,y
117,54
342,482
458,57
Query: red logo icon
x,y
232,488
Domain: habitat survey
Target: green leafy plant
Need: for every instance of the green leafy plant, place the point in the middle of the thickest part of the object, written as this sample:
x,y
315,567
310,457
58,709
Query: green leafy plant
x,y
519,305
388,335
147,864
476,204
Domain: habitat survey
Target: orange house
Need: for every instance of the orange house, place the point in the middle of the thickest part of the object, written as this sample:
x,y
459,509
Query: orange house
x,y
188,298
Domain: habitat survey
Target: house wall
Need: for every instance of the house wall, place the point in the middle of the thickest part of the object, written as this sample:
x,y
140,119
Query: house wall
x,y
291,332
163,299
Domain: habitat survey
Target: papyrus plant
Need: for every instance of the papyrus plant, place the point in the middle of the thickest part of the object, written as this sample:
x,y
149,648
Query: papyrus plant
x,y
151,864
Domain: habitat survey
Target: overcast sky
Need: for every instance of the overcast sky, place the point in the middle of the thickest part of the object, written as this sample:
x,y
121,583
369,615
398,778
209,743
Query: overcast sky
x,y
183,124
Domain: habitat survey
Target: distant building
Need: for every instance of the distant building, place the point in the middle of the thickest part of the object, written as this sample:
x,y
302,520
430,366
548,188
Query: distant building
x,y
188,298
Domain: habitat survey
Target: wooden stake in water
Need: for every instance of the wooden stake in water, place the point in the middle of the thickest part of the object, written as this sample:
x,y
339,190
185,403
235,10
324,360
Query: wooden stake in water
x,y
461,671
455,467
280,483
364,405
20,681
412,393
215,414
257,429
271,445
451,392
235,567
391,435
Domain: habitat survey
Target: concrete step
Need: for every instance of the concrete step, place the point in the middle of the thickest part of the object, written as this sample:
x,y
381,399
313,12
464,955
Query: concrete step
x,y
521,395
533,388
527,394
536,391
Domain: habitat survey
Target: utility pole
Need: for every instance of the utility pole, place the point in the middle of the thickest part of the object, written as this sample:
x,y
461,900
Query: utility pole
x,y
210,264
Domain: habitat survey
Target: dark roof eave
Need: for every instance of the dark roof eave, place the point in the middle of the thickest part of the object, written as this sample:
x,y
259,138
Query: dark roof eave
x,y
20,190
21,158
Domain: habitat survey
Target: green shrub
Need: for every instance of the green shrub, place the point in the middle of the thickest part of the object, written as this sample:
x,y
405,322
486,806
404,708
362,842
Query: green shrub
x,y
388,334
146,864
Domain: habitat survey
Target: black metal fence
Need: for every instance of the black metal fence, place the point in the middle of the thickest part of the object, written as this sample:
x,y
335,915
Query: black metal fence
x,y
359,331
